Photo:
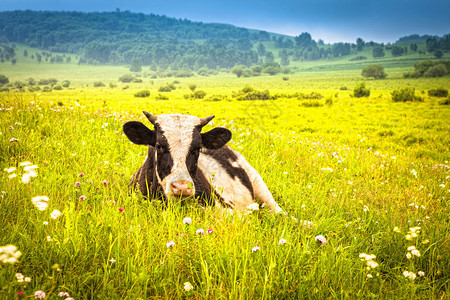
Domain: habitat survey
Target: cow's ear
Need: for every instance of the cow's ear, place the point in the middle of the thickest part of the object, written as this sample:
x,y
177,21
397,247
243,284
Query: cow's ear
x,y
139,134
216,138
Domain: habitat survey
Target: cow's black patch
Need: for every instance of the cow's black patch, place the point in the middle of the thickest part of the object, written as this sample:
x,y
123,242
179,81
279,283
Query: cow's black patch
x,y
205,193
164,160
194,152
225,156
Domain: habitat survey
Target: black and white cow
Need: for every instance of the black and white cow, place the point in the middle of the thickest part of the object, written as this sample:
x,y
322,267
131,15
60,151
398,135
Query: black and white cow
x,y
184,162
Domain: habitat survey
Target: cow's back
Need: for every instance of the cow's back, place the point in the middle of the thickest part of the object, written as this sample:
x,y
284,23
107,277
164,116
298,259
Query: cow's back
x,y
229,175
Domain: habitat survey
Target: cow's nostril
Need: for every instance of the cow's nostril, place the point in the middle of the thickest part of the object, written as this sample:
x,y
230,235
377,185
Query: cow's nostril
x,y
181,188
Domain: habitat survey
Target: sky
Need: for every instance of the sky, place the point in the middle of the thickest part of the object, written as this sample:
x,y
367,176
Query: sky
x,y
329,20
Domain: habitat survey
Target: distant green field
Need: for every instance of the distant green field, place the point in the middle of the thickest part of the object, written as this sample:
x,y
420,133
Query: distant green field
x,y
372,175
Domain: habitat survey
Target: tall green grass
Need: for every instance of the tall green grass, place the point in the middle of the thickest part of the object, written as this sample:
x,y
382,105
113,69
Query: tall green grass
x,y
357,169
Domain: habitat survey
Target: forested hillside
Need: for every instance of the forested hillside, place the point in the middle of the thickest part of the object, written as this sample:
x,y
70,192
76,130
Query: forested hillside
x,y
162,42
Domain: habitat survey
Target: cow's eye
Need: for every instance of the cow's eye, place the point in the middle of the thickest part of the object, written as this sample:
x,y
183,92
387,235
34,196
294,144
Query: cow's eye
x,y
160,148
195,151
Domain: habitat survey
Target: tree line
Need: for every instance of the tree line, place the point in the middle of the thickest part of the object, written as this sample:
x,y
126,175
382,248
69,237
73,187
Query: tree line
x,y
137,39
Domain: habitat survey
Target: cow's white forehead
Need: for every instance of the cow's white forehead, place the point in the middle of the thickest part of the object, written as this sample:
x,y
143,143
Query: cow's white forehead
x,y
177,122
178,131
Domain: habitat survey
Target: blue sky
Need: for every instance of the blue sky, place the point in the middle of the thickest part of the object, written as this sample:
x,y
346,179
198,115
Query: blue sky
x,y
329,20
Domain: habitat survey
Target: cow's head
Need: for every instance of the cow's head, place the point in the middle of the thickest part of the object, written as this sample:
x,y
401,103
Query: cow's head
x,y
177,140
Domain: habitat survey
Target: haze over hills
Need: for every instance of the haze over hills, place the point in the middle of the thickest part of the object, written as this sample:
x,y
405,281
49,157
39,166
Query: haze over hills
x,y
162,42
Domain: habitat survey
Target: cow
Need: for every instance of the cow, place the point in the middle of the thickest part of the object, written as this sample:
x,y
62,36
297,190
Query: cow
x,y
183,162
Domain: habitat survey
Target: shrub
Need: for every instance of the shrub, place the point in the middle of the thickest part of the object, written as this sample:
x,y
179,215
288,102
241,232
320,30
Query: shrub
x,y
65,83
57,87
52,81
438,93
98,84
19,84
358,58
343,88
429,68
249,93
112,85
311,104
285,78
247,73
422,66
271,68
198,95
192,86
47,89
257,70
216,98
142,94
43,82
31,81
161,97
126,78
168,88
34,89
438,70
183,74
445,101
3,80
375,71
312,95
137,80
361,91
404,95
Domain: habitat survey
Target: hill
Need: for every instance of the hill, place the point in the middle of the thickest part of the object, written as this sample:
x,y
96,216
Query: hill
x,y
136,39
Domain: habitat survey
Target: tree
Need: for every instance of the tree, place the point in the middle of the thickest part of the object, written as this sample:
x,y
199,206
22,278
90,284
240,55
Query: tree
x,y
261,50
438,53
136,65
284,57
271,68
432,44
304,40
244,45
25,53
377,52
438,70
126,78
269,57
375,71
413,47
359,44
3,80
397,51
238,70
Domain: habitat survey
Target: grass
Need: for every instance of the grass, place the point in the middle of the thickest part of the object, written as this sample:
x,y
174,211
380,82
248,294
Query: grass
x,y
357,168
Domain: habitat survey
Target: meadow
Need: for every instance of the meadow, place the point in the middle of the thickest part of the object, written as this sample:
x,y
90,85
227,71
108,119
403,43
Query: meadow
x,y
372,175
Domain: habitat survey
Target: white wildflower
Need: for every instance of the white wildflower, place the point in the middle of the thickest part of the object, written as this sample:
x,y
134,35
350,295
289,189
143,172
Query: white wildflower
x,y
321,239
188,286
55,214
282,242
9,254
40,202
255,249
